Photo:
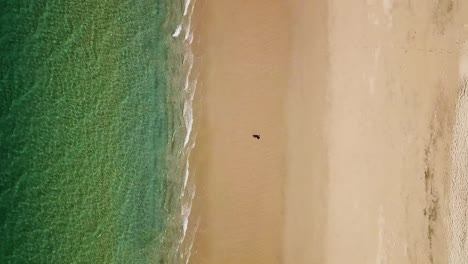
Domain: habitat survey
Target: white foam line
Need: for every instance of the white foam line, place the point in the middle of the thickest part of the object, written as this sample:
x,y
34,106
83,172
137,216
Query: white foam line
x,y
189,130
186,210
190,39
179,28
188,115
189,25
177,31
191,243
188,190
188,57
186,174
188,111
186,6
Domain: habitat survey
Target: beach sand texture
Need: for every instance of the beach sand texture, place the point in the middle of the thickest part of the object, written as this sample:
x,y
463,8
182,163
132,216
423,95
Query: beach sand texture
x,y
362,111
240,179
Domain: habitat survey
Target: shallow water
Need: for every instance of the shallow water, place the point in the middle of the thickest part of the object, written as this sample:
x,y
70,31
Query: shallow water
x,y
91,131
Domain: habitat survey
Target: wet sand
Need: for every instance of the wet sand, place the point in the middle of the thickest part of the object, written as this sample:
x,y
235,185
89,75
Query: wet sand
x,y
244,55
306,179
360,107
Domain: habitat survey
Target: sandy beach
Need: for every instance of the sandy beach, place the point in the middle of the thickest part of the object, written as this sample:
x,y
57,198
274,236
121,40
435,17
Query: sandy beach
x,y
242,89
361,109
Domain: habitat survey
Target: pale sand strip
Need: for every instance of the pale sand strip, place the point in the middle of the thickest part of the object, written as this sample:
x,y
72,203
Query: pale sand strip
x,y
458,233
381,91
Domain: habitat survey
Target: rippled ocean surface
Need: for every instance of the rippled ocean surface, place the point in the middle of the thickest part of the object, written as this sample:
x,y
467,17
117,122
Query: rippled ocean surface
x,y
93,131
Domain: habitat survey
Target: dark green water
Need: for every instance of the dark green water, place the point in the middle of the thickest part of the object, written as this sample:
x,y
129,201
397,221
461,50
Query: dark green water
x,y
87,117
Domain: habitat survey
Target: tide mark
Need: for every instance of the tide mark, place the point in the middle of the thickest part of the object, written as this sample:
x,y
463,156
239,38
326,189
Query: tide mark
x,y
443,14
434,175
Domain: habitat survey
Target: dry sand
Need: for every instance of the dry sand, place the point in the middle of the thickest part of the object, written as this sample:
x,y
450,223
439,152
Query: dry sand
x,y
362,117
393,87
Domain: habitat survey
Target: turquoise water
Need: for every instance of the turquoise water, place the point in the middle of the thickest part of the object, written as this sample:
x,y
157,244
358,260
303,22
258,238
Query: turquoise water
x,y
90,131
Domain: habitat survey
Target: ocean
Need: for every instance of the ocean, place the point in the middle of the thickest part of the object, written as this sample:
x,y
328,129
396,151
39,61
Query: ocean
x,y
95,124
